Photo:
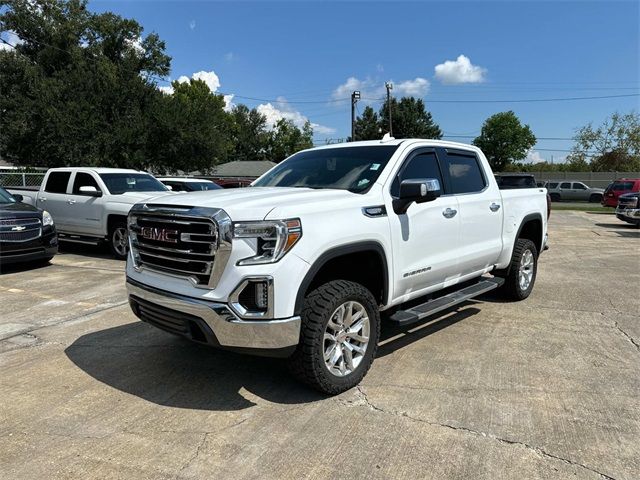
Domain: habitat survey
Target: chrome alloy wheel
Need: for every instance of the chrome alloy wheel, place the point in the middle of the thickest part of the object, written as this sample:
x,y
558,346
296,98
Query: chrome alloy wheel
x,y
120,241
525,271
346,338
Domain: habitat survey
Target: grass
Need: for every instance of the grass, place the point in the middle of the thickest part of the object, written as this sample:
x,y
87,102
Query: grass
x,y
583,208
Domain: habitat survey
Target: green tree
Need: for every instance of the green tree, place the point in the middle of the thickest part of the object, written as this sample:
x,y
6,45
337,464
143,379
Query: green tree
x,y
368,126
612,146
77,90
190,130
286,139
410,119
504,140
250,136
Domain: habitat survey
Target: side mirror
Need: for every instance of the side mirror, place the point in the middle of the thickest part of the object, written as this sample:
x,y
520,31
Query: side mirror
x,y
417,190
90,191
18,197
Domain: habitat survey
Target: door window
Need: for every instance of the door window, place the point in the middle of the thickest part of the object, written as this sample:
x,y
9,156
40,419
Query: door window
x,y
84,180
566,185
57,182
465,173
422,165
579,186
553,185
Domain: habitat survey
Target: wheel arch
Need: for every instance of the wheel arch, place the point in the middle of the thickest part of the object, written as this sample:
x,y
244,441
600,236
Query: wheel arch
x,y
334,264
532,228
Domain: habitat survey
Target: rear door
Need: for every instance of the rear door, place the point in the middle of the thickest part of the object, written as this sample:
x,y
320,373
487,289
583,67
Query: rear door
x,y
481,210
86,210
580,191
566,192
54,197
424,238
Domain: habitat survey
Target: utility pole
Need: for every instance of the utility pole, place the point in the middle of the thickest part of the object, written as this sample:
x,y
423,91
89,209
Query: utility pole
x,y
355,96
389,87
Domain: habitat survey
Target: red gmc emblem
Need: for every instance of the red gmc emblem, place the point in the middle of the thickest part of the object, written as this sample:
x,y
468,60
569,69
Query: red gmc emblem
x,y
159,234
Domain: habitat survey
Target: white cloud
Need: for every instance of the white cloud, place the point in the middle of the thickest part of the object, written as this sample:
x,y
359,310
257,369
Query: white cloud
x,y
283,110
136,45
460,71
371,90
210,78
534,157
166,89
192,25
228,103
380,68
417,87
11,38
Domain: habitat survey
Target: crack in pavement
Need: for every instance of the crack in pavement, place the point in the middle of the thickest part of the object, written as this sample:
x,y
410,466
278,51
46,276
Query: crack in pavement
x,y
362,399
617,326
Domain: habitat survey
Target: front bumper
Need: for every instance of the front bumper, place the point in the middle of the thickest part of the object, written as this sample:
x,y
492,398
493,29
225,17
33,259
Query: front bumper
x,y
628,214
45,246
212,323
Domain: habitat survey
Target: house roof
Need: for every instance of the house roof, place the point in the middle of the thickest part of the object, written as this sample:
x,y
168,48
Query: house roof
x,y
247,168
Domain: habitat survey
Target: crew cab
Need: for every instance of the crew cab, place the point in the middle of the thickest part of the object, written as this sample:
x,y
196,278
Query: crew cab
x,y
26,232
90,205
308,261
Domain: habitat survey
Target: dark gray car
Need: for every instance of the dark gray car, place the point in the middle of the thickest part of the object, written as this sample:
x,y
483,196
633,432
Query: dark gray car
x,y
573,191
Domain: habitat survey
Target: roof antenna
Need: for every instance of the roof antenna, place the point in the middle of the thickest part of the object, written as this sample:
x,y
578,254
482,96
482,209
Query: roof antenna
x,y
387,138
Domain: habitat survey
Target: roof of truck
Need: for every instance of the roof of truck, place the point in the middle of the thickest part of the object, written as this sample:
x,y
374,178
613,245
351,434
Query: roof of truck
x,y
184,179
99,169
398,141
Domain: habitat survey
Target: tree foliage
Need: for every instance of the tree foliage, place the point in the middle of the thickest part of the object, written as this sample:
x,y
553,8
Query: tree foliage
x,y
504,140
409,117
286,139
612,146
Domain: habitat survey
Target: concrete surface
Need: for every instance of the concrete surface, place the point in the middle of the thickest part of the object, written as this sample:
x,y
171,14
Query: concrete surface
x,y
545,388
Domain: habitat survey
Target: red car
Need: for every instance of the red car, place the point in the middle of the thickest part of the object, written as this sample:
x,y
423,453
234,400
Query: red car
x,y
617,188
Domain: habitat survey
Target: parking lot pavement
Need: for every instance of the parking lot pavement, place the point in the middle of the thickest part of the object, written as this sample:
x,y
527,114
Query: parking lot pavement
x,y
545,388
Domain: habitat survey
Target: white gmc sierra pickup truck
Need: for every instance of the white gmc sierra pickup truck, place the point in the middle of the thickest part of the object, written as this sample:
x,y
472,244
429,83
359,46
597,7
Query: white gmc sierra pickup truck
x,y
90,205
305,262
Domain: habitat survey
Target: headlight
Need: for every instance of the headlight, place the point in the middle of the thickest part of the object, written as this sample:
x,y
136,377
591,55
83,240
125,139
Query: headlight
x,y
47,219
274,238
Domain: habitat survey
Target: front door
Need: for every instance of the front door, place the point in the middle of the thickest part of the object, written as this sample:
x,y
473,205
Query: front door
x,y
424,238
87,209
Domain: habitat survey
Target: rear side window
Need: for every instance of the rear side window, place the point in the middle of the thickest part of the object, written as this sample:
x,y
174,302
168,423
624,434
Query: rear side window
x,y
176,186
622,186
579,186
464,173
84,180
553,185
566,185
422,165
57,182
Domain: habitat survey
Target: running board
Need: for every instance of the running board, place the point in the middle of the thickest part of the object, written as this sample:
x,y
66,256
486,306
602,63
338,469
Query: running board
x,y
63,237
417,313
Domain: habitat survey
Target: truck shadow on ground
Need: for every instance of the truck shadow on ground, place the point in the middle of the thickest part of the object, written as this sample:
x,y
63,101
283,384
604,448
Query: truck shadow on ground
x,y
140,360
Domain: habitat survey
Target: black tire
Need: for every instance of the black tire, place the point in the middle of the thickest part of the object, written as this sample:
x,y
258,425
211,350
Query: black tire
x,y
555,197
307,363
114,245
595,198
512,288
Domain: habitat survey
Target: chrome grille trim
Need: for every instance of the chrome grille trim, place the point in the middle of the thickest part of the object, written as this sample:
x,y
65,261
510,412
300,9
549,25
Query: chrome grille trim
x,y
30,229
189,258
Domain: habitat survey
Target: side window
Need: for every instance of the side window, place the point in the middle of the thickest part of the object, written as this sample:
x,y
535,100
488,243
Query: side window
x,y
177,186
566,185
57,182
422,165
553,185
465,173
579,186
84,180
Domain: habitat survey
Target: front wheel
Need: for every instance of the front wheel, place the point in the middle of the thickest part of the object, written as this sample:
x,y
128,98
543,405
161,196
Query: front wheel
x,y
119,240
595,198
522,271
339,337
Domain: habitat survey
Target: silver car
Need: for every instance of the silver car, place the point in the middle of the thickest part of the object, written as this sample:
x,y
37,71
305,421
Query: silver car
x,y
573,191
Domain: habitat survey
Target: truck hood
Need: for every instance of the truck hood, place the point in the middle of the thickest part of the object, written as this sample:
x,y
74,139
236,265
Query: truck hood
x,y
131,198
255,203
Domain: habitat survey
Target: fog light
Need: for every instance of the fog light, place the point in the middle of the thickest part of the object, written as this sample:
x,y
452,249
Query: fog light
x,y
262,295
253,298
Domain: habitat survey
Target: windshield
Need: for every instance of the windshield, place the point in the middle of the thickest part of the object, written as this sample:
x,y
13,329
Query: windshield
x,y
351,168
119,183
6,197
197,186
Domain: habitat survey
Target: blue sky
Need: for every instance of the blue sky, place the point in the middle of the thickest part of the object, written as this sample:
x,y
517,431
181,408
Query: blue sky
x,y
304,57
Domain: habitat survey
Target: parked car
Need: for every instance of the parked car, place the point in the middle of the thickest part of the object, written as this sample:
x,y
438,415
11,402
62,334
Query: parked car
x,y
26,232
303,263
617,188
90,205
234,182
628,209
182,184
573,191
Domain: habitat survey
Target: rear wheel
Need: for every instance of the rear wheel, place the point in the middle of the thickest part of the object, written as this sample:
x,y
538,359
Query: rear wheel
x,y
338,338
555,197
595,198
522,271
119,240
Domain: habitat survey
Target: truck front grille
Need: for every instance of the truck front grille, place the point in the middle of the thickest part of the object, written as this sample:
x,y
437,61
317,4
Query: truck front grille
x,y
20,229
184,243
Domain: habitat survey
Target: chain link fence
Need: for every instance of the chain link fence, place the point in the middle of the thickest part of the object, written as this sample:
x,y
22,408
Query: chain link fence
x,y
16,178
